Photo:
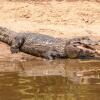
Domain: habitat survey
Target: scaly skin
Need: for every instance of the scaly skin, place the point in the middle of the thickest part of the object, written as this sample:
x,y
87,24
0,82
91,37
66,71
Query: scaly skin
x,y
46,46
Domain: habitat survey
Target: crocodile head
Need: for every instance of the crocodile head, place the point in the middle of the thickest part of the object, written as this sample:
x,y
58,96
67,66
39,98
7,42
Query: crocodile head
x,y
81,46
73,51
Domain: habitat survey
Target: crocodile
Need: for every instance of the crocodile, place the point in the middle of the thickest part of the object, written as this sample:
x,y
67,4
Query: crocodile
x,y
48,47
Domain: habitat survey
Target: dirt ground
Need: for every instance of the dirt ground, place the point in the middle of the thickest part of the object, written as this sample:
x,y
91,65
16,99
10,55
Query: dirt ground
x,y
56,18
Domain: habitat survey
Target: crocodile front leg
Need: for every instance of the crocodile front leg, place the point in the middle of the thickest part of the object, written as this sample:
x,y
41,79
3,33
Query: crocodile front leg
x,y
17,42
72,51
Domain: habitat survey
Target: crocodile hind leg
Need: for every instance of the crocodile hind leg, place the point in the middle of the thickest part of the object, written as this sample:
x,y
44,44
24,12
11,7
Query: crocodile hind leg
x,y
17,42
51,54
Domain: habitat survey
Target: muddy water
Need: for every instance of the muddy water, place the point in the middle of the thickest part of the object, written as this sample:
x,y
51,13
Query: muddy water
x,y
45,80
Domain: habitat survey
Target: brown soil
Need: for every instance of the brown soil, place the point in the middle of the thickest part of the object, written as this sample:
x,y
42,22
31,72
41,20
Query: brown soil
x,y
56,18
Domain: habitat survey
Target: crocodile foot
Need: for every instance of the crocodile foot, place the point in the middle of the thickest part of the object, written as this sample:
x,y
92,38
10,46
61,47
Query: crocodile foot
x,y
50,54
14,50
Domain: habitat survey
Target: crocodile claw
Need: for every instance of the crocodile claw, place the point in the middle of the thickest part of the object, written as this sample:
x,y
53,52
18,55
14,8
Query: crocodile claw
x,y
14,50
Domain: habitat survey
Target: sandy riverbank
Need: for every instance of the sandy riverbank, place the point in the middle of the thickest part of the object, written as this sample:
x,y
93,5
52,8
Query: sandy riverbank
x,y
55,18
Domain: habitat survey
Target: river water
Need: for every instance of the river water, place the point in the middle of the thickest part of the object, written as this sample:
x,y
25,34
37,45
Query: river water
x,y
50,80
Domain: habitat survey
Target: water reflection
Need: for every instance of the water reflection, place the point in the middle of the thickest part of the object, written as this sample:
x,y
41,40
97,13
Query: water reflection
x,y
45,80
